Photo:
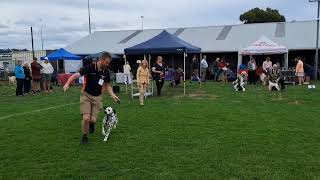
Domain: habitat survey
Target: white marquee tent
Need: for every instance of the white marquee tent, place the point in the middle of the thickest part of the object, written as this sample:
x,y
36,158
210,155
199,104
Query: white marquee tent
x,y
264,46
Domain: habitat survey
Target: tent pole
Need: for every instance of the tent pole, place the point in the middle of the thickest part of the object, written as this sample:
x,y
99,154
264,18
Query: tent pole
x,y
149,62
239,60
184,73
286,61
125,62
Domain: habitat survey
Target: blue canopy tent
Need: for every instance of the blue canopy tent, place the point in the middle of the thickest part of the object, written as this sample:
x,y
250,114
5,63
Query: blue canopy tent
x,y
164,43
71,62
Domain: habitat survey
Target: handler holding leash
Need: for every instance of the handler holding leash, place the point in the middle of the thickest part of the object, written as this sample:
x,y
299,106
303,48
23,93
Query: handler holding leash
x,y
97,79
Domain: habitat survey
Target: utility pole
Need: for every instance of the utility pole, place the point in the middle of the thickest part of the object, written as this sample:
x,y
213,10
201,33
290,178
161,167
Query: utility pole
x,y
41,35
89,17
32,42
316,59
142,18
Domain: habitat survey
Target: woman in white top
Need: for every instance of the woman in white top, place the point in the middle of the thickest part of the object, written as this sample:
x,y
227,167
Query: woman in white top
x,y
252,66
127,73
47,70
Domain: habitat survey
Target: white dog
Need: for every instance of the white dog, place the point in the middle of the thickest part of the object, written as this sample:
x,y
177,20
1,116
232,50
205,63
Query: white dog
x,y
240,82
12,79
274,85
109,122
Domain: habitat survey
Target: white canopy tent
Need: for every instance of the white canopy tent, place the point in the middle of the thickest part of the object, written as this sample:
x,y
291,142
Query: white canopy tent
x,y
264,46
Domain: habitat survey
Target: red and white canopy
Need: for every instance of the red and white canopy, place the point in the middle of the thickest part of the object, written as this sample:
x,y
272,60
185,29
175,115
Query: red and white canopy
x,y
264,46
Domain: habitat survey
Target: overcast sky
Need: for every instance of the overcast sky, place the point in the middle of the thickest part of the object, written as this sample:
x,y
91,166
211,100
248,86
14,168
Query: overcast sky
x,y
66,21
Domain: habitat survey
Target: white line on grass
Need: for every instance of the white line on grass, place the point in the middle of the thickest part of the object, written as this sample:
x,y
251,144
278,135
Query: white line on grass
x,y
39,110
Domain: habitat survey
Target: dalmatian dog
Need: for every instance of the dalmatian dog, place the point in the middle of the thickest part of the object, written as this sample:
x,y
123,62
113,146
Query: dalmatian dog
x,y
274,85
109,122
240,82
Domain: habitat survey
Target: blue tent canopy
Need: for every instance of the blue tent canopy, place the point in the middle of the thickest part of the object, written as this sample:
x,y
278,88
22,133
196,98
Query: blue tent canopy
x,y
164,43
62,54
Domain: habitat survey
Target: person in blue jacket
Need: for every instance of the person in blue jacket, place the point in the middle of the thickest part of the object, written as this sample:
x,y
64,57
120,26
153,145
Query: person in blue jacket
x,y
19,72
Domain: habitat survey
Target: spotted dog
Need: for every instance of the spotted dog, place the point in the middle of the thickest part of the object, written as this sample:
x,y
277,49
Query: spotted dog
x,y
109,122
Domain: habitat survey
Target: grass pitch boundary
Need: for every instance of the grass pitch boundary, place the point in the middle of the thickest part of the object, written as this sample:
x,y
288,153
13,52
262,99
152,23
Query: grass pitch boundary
x,y
38,110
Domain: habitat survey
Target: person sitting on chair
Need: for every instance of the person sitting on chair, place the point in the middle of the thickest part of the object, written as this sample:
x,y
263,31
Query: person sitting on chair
x,y
177,76
276,77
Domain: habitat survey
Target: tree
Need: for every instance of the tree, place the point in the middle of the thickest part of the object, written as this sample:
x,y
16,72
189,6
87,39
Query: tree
x,y
258,15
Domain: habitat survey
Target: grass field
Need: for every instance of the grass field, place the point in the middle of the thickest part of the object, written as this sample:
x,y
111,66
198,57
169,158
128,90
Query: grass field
x,y
212,133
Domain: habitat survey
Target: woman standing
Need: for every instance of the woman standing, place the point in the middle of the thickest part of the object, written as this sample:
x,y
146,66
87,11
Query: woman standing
x,y
19,72
158,70
28,78
300,71
252,66
143,75
223,66
47,70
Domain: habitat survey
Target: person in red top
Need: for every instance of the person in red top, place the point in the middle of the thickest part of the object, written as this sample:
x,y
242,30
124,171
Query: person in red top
x,y
36,75
223,69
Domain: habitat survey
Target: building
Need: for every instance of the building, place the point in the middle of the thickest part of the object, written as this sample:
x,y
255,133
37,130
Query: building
x,y
5,61
27,57
214,41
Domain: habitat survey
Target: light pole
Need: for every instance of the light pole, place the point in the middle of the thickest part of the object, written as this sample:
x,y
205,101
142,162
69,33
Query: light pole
x,y
41,35
89,18
316,59
142,17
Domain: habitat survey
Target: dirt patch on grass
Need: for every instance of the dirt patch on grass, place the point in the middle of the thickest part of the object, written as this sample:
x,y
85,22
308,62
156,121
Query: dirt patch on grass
x,y
296,102
279,98
200,95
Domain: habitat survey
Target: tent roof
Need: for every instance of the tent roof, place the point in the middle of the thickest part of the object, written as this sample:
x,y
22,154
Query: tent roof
x,y
162,43
264,46
62,54
97,55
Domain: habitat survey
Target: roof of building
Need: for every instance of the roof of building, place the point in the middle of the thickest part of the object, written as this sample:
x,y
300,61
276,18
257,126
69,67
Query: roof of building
x,y
298,35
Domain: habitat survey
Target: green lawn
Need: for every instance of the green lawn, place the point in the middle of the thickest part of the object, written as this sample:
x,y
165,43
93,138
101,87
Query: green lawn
x,y
212,133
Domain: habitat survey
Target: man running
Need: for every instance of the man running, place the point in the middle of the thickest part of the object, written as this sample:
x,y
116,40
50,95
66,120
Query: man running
x,y
97,79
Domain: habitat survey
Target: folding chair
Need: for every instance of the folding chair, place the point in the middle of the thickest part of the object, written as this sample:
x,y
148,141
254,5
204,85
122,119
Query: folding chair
x,y
135,92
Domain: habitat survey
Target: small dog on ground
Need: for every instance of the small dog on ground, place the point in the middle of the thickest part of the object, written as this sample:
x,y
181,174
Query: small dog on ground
x,y
240,82
12,79
274,85
109,122
263,78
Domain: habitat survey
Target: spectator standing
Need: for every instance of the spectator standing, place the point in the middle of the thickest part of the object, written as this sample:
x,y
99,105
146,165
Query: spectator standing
x,y
36,75
195,68
252,66
223,66
19,73
203,68
299,71
158,71
143,80
127,73
47,70
28,78
215,69
267,65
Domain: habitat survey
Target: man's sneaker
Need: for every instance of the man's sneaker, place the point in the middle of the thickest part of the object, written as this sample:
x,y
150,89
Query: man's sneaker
x,y
84,140
91,128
